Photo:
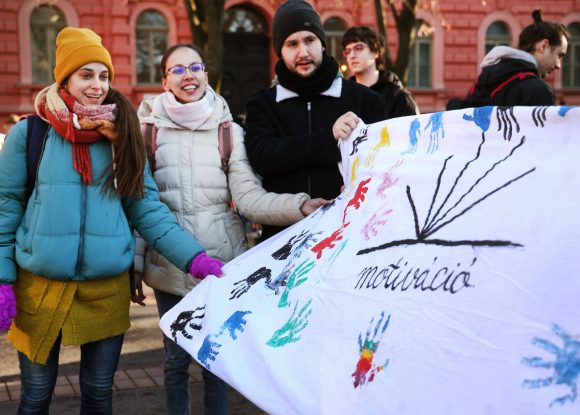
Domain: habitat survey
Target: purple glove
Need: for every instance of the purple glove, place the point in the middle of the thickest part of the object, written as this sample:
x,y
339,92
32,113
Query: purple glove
x,y
204,265
7,306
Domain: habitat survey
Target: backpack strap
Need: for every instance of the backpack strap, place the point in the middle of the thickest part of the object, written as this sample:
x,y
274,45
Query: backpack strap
x,y
518,76
149,133
225,144
36,132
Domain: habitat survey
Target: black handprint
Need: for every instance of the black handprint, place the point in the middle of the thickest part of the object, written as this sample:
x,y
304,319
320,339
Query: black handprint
x,y
242,286
361,138
286,249
185,319
505,120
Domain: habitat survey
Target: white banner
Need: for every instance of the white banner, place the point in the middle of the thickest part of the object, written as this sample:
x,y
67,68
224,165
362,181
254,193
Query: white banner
x,y
443,280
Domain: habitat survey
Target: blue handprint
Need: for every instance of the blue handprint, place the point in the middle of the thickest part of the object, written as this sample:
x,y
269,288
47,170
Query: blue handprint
x,y
437,131
565,366
414,133
208,351
234,323
481,117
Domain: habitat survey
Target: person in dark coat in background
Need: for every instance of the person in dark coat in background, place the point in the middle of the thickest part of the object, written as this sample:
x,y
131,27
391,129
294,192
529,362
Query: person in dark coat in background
x,y
363,49
512,77
292,127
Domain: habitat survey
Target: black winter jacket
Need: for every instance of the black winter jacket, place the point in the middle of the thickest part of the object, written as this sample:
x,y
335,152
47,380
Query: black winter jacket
x,y
530,91
398,101
291,145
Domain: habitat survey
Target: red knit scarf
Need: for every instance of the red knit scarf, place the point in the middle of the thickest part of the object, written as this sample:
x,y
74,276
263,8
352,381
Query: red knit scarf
x,y
79,124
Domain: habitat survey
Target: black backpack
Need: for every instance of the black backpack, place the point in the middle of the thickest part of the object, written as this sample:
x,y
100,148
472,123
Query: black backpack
x,y
35,138
482,94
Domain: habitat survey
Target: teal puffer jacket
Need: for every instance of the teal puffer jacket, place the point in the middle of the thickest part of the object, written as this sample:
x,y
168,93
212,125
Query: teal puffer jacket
x,y
73,231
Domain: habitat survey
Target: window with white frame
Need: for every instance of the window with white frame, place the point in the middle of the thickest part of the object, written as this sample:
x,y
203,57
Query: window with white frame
x,y
497,34
239,19
571,64
151,41
45,23
420,58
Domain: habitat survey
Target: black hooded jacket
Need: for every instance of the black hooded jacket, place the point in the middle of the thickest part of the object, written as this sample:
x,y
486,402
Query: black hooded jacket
x,y
398,101
530,91
507,83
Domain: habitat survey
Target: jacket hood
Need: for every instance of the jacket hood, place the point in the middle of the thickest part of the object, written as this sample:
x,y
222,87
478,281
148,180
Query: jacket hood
x,y
152,111
505,52
500,71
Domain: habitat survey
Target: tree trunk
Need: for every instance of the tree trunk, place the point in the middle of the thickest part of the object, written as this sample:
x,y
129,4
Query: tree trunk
x,y
205,20
406,22
382,31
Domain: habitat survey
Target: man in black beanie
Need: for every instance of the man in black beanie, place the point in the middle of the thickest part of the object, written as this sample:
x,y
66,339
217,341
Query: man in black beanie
x,y
292,127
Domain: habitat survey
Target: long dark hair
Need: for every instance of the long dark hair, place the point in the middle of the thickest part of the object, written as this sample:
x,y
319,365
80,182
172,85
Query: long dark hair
x,y
541,30
129,158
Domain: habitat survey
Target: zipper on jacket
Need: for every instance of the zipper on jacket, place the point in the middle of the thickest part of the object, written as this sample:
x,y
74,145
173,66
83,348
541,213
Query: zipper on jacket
x,y
309,111
81,230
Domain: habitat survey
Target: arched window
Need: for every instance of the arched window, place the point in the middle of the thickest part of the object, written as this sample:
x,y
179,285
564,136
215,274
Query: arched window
x,y
335,28
571,65
45,23
497,34
151,42
242,20
246,60
420,57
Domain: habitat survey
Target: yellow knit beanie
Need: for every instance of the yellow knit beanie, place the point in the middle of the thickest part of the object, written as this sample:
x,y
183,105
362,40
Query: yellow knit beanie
x,y
76,47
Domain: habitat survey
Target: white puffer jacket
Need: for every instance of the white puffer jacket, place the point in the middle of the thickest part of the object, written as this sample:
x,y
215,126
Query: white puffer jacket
x,y
192,183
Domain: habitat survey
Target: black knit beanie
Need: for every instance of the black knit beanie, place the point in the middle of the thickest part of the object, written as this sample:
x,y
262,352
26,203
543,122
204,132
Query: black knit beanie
x,y
294,16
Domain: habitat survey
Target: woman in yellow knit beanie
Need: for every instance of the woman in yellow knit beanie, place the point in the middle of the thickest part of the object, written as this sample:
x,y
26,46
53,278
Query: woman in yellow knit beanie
x,y
67,243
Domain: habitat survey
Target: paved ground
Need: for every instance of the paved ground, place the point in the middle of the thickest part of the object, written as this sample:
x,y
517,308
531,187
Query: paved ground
x,y
138,382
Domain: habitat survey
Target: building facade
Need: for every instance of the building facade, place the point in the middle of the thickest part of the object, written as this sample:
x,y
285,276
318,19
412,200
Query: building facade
x,y
452,37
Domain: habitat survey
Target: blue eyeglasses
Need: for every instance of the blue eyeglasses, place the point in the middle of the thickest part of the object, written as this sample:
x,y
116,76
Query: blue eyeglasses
x,y
179,70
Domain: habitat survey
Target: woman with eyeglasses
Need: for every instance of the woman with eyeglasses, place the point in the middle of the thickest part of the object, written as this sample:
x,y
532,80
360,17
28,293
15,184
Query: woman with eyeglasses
x,y
193,184
65,250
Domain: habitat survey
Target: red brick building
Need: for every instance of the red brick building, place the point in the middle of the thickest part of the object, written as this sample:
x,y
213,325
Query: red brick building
x,y
452,40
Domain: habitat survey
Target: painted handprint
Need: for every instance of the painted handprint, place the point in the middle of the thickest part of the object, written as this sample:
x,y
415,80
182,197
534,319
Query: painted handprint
x,y
365,369
565,368
327,243
209,348
242,286
360,139
481,117
185,319
506,121
414,133
389,180
291,330
208,351
385,141
357,199
304,241
284,252
371,228
437,131
236,322
539,116
298,276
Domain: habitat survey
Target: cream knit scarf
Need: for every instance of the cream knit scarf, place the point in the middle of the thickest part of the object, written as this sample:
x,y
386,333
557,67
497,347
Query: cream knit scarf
x,y
191,115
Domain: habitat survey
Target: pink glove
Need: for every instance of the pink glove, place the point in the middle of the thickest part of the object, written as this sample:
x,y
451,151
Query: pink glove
x,y
7,306
204,265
